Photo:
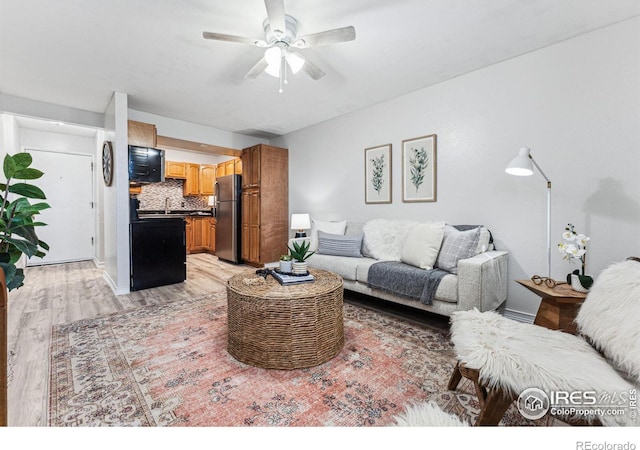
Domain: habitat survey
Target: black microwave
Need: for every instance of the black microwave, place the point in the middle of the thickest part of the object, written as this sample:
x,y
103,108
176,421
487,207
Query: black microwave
x,y
146,165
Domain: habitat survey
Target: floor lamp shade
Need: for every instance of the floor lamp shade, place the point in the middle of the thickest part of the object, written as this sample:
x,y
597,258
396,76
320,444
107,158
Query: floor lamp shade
x,y
522,165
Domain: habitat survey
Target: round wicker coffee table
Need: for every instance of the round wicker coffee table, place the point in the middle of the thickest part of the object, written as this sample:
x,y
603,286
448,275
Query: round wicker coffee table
x,y
285,327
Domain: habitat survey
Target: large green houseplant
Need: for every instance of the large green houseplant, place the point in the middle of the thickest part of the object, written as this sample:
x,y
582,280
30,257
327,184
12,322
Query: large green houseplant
x,y
17,225
17,237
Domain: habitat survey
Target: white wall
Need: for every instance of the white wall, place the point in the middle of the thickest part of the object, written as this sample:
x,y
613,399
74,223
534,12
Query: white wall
x,y
116,198
576,104
193,132
56,141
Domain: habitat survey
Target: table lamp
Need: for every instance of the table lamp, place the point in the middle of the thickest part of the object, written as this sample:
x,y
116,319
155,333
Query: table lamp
x,y
300,222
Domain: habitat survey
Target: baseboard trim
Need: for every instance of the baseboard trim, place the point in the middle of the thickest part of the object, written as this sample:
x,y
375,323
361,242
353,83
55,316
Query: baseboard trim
x,y
518,315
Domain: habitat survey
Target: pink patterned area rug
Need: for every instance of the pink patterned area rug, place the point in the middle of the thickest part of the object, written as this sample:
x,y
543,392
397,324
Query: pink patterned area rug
x,y
167,365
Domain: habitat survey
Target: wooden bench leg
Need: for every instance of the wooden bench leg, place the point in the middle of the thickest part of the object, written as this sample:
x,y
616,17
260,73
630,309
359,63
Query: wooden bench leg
x,y
493,402
494,406
456,376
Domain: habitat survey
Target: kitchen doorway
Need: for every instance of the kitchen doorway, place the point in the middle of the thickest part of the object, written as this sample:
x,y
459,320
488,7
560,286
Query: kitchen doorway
x,y
68,184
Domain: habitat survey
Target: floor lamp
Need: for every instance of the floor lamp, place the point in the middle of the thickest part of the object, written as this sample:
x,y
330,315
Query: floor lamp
x,y
522,165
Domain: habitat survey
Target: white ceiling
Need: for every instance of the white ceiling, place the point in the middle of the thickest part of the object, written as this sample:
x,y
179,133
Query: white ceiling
x,y
76,53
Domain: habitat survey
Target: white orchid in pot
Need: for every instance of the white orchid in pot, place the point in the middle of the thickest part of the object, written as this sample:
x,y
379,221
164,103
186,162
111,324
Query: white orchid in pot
x,y
573,248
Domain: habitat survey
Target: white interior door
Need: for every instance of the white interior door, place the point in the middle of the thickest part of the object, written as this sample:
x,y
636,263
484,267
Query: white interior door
x,y
68,184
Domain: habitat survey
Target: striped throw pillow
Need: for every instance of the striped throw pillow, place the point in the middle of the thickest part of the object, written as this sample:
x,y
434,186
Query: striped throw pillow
x,y
340,245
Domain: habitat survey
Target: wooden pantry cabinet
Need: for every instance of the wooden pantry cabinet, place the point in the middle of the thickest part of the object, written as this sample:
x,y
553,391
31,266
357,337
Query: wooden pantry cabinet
x,y
265,204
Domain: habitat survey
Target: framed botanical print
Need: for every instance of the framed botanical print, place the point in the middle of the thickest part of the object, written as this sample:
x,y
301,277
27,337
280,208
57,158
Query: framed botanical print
x,y
419,169
377,174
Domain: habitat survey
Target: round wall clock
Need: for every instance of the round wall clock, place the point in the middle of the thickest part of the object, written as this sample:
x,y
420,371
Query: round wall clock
x,y
107,162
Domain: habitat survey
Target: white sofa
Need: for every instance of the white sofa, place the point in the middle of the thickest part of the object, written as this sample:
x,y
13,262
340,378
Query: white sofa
x,y
478,281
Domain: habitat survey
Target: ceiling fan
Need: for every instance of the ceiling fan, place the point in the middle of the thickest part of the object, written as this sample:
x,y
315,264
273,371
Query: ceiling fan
x,y
281,41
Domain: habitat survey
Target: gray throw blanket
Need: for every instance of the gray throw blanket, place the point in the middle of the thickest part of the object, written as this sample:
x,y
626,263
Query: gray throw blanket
x,y
405,280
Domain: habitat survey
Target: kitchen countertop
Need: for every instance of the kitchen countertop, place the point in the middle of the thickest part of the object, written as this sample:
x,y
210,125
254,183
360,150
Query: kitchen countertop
x,y
151,214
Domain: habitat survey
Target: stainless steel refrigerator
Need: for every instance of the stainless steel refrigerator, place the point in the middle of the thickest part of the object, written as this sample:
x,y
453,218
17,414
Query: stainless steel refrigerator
x,y
228,214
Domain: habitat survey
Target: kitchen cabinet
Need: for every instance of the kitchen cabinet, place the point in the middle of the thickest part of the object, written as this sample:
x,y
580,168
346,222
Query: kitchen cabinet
x,y
230,167
207,178
199,234
251,166
265,205
174,169
221,170
142,134
188,228
135,188
209,234
192,182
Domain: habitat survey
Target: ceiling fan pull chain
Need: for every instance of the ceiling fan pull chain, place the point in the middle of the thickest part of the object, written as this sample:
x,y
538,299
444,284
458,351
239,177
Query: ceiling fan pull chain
x,y
283,72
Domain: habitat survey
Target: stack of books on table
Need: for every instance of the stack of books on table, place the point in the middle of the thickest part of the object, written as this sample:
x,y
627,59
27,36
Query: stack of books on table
x,y
285,278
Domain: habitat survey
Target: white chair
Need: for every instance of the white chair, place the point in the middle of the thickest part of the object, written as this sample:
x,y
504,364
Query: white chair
x,y
600,366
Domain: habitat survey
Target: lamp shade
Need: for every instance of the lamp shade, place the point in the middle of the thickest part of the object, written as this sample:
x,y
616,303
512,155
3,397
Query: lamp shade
x,y
521,165
300,222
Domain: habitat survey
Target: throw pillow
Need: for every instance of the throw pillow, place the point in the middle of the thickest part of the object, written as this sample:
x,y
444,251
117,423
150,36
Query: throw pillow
x,y
384,239
423,244
339,245
483,241
337,227
457,245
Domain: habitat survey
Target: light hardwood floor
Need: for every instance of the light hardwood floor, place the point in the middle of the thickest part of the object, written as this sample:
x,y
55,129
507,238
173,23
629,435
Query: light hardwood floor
x,y
63,293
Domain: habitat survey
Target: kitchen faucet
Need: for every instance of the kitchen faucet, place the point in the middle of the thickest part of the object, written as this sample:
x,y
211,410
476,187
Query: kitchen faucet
x,y
166,205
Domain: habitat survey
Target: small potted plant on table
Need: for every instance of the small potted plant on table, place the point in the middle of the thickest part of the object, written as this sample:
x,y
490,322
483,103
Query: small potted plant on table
x,y
285,263
300,252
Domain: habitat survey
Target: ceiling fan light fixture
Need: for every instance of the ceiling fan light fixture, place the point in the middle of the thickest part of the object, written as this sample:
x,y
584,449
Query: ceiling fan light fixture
x,y
272,56
273,70
295,62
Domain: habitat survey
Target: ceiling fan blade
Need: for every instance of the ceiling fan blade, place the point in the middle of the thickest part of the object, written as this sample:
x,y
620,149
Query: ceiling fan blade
x,y
312,70
231,38
326,37
256,70
275,14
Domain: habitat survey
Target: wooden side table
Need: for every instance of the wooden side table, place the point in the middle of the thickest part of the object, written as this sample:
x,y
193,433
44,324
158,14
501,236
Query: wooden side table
x,y
559,305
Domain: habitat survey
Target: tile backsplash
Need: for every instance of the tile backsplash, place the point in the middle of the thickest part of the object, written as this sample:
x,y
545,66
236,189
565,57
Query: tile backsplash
x,y
154,195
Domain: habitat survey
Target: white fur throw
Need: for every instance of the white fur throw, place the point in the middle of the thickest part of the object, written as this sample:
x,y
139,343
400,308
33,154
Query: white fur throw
x,y
427,414
610,316
515,356
384,239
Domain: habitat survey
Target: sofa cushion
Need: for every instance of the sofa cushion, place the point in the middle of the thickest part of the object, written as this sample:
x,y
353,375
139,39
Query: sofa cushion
x,y
336,227
344,266
457,245
384,238
422,245
339,245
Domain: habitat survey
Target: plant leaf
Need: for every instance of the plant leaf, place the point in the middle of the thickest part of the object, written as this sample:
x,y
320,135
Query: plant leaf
x,y
28,174
27,190
24,246
9,166
22,160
